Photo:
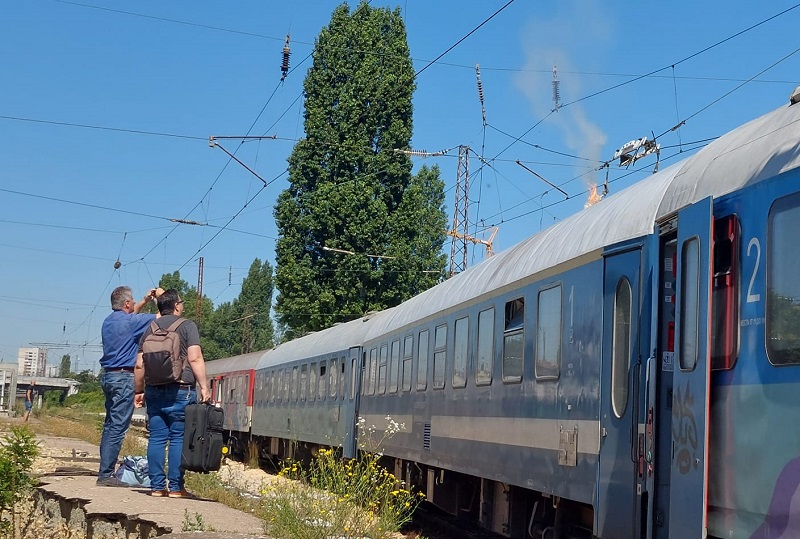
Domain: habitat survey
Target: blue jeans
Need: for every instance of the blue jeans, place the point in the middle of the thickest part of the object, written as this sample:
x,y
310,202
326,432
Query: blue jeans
x,y
118,388
166,412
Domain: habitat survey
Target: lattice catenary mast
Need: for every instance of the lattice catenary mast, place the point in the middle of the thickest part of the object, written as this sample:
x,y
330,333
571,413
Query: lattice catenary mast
x,y
458,246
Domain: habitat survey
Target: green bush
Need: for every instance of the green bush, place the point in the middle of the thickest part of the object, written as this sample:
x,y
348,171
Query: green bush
x,y
18,450
91,401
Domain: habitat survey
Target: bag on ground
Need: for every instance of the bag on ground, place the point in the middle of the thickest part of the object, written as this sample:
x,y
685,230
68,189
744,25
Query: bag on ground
x,y
161,352
202,438
133,471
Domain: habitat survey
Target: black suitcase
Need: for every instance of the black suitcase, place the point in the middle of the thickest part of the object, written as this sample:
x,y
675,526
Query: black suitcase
x,y
202,438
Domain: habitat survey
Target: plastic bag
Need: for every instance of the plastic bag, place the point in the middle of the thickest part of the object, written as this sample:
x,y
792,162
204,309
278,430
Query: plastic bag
x,y
133,471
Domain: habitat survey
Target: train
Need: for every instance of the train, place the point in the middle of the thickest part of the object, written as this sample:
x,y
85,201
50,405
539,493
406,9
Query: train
x,y
632,371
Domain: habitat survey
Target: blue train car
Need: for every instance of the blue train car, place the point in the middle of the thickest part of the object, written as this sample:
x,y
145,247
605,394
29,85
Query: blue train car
x,y
630,372
306,393
623,373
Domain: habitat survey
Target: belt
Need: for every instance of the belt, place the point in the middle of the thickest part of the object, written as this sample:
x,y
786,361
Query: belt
x,y
118,369
181,385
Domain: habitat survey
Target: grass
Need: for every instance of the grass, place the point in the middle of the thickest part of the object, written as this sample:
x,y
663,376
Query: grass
x,y
76,423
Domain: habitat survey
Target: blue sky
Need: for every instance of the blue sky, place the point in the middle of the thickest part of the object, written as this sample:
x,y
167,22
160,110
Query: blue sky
x,y
151,81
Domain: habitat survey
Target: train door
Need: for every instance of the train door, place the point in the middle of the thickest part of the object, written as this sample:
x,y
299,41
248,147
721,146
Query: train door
x,y
690,395
351,402
617,514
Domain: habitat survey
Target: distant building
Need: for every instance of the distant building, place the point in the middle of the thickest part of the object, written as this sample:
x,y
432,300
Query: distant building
x,y
32,361
53,371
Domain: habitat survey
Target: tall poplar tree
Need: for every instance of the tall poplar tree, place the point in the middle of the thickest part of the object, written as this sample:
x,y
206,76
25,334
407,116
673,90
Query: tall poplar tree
x,y
350,191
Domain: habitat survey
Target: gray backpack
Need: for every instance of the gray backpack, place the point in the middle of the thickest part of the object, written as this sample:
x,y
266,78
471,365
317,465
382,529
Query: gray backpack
x,y
161,351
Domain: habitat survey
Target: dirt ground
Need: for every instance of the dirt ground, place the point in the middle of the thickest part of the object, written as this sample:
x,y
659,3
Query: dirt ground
x,y
76,457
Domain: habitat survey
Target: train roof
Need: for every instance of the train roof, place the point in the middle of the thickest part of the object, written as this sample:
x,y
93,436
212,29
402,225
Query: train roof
x,y
758,150
242,362
330,340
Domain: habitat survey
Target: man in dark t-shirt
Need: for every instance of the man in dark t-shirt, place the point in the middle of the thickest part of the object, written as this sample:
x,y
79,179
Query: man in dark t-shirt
x,y
30,396
166,403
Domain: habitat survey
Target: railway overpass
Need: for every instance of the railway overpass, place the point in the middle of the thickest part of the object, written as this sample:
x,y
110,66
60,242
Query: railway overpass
x,y
13,386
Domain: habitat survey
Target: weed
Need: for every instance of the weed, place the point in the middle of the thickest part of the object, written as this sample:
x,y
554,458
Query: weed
x,y
193,524
18,450
336,497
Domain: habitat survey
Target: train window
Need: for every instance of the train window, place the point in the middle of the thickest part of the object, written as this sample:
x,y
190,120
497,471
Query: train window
x,y
548,334
323,370
394,366
783,286
690,298
294,384
513,340
362,377
373,370
353,374
342,365
312,382
483,372
272,386
408,353
725,294
621,346
303,381
422,361
439,356
460,352
287,376
384,356
334,372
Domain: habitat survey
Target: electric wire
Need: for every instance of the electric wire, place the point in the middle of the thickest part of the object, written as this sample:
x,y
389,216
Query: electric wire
x,y
454,45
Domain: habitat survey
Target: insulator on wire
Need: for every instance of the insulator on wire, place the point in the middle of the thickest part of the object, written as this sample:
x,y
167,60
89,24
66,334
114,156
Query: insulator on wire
x,y
480,92
556,90
285,63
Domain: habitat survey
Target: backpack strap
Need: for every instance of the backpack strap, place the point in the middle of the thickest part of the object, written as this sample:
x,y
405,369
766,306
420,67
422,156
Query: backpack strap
x,y
154,327
175,325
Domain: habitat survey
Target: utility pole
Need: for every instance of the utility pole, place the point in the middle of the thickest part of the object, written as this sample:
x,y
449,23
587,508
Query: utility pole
x,y
458,245
459,232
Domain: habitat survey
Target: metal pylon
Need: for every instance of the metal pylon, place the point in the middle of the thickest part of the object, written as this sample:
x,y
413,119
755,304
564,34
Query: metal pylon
x,y
458,245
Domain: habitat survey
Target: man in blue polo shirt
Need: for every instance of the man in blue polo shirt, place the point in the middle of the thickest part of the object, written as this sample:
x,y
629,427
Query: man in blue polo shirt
x,y
121,332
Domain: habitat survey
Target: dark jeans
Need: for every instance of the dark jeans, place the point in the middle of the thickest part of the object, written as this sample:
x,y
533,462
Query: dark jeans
x,y
118,388
166,412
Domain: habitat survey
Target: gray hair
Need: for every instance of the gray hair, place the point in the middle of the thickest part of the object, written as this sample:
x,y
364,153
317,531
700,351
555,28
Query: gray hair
x,y
119,296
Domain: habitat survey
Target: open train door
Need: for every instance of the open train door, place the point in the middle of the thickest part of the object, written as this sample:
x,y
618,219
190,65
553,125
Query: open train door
x,y
688,514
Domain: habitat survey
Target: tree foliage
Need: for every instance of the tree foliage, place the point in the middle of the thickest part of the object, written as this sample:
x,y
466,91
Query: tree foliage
x,y
349,190
244,325
236,327
65,367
